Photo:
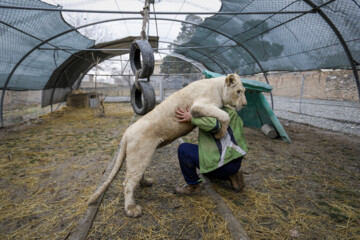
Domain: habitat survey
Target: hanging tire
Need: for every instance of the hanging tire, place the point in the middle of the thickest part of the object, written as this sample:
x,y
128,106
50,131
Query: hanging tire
x,y
143,100
144,48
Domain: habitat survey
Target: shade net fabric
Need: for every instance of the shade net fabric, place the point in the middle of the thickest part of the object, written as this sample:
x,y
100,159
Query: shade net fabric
x,y
25,34
293,41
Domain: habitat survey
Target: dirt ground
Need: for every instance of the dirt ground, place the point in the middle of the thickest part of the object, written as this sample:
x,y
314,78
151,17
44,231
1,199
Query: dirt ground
x,y
309,189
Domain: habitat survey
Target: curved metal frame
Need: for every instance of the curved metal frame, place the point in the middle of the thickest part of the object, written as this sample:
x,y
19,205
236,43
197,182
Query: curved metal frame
x,y
138,12
177,20
197,52
341,39
261,32
101,22
57,80
309,2
21,60
240,45
56,83
201,26
208,28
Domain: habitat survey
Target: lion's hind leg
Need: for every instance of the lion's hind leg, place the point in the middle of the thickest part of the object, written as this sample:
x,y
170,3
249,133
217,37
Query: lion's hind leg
x,y
136,163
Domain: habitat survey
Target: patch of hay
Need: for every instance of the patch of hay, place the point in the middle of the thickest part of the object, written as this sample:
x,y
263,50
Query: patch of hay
x,y
165,215
305,190
48,169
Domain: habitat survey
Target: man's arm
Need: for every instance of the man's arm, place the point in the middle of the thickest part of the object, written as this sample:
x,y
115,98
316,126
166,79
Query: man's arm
x,y
183,115
208,124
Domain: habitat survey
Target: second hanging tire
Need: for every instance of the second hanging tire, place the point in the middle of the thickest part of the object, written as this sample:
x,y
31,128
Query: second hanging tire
x,y
142,49
143,100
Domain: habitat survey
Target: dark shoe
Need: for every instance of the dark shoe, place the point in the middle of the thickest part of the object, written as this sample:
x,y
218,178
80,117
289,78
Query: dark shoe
x,y
188,189
237,181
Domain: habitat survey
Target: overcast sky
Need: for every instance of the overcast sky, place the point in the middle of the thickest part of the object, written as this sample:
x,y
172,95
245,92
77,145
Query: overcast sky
x,y
167,30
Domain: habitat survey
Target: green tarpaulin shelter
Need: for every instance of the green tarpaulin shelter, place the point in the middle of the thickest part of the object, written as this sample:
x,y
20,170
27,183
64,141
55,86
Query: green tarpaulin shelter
x,y
258,111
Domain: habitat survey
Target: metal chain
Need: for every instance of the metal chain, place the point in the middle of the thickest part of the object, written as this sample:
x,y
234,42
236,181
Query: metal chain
x,y
145,14
146,18
137,80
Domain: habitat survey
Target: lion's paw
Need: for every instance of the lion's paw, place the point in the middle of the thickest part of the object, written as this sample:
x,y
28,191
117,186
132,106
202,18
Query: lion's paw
x,y
220,134
133,211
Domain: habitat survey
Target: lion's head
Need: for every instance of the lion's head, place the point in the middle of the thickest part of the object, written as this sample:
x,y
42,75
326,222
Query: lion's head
x,y
234,92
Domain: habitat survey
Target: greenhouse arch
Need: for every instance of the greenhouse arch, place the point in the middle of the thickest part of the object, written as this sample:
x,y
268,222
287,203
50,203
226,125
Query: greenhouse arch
x,y
243,44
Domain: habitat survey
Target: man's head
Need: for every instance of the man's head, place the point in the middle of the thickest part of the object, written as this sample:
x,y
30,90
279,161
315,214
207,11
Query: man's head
x,y
234,92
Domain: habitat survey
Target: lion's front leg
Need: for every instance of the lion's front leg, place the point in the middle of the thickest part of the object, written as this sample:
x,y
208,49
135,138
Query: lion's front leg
x,y
222,132
208,110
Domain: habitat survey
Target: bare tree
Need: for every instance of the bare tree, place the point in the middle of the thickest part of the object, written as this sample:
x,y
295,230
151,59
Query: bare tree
x,y
99,33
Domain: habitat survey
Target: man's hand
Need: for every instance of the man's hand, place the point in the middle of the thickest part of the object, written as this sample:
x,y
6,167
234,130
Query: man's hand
x,y
183,115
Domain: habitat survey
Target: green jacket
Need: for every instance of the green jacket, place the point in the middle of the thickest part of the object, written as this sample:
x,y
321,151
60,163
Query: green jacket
x,y
214,153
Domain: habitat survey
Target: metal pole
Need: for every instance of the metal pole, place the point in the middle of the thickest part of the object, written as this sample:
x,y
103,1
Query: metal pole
x,y
161,89
223,70
138,12
302,91
127,49
118,75
271,96
1,107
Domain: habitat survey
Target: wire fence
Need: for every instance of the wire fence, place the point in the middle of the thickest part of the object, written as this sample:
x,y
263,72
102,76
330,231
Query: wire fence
x,y
22,106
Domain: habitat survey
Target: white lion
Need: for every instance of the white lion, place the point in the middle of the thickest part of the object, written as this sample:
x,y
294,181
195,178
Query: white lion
x,y
160,127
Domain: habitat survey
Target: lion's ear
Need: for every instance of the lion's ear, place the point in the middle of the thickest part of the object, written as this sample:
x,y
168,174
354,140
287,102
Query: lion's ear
x,y
230,80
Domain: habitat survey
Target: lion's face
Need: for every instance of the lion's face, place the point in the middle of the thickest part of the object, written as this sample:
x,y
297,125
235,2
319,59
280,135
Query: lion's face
x,y
234,92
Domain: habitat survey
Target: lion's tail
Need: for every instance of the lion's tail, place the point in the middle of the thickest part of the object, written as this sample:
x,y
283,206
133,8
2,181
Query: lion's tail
x,y
117,166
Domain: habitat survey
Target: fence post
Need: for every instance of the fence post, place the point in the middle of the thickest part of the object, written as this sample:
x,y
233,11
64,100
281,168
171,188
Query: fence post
x,y
161,89
302,90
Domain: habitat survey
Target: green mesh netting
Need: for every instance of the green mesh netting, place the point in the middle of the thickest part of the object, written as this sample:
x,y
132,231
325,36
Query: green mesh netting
x,y
22,33
249,43
288,42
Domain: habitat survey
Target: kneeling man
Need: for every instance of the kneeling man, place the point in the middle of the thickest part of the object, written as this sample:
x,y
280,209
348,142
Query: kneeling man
x,y
219,158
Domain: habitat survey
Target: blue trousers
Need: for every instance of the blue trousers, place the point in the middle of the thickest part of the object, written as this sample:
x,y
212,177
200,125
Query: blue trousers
x,y
188,155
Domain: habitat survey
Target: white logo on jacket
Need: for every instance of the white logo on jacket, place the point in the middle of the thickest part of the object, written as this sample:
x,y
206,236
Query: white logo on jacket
x,y
225,143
